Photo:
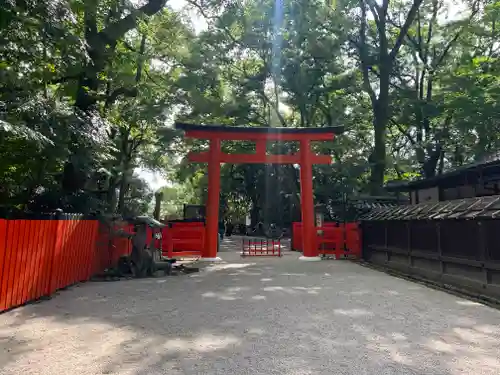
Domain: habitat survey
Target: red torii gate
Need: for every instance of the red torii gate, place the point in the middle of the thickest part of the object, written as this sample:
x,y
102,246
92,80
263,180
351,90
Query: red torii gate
x,y
260,135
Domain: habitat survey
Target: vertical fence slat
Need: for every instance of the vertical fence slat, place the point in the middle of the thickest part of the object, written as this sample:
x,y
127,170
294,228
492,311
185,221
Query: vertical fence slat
x,y
73,247
23,281
35,251
56,260
16,295
54,269
35,259
67,279
3,262
80,251
63,256
66,274
50,247
9,254
13,241
93,226
28,259
36,262
81,248
29,249
42,279
23,269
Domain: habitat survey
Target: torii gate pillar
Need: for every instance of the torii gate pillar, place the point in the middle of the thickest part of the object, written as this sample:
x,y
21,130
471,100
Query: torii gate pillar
x,y
260,135
209,253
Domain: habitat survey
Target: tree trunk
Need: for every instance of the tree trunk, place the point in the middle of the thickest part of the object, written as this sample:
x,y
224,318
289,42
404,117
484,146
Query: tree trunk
x,y
111,194
378,156
158,200
380,120
386,57
124,185
431,163
254,213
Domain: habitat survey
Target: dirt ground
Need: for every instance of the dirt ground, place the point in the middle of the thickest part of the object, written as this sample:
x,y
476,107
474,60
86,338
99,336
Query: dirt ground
x,y
253,316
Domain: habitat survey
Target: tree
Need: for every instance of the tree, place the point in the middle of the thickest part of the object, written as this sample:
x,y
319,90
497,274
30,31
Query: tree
x,y
81,97
377,49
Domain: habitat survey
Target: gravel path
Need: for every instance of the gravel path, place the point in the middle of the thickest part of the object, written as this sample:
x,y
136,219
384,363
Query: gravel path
x,y
253,316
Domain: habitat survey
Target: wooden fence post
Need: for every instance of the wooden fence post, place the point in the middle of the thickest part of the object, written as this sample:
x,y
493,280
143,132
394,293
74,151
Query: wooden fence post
x,y
439,248
408,242
386,242
483,249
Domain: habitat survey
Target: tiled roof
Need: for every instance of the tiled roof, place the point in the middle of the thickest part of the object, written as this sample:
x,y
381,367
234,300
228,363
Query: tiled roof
x,y
469,208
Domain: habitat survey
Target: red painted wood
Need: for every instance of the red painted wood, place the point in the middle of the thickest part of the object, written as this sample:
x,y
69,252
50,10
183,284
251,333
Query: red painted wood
x,y
212,211
251,136
309,248
332,240
183,240
203,157
38,257
3,262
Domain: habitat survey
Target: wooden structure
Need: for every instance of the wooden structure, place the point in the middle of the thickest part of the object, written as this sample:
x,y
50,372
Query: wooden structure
x,y
453,242
469,181
259,247
193,211
305,158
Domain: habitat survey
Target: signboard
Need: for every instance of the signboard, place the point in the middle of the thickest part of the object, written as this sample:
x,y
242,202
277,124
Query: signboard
x,y
319,219
319,223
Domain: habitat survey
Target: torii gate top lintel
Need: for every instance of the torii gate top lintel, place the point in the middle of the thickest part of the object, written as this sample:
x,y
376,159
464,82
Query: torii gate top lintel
x,y
260,135
224,132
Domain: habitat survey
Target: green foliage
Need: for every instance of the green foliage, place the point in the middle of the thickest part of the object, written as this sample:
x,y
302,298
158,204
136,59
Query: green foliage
x,y
88,94
83,95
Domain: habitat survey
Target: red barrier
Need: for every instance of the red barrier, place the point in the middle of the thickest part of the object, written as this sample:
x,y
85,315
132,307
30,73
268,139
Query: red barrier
x,y
38,257
297,234
183,240
338,240
73,252
260,247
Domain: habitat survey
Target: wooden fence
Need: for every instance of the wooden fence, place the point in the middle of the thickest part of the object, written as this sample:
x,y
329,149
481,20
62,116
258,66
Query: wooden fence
x,y
456,245
38,257
42,255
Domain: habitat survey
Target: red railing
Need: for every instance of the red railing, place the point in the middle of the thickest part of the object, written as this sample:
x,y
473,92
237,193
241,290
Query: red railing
x,y
261,247
336,239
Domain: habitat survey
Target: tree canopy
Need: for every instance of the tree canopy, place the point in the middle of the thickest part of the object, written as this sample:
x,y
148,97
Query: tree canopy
x,y
89,91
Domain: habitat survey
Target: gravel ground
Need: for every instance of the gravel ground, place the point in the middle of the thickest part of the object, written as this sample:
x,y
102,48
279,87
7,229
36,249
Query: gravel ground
x,y
253,316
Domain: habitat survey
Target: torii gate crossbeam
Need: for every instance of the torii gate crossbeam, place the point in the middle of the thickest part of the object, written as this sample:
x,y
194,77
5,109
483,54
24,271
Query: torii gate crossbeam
x,y
260,135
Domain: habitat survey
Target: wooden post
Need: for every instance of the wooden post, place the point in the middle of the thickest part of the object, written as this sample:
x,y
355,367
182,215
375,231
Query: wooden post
x,y
212,215
309,246
439,247
408,240
483,249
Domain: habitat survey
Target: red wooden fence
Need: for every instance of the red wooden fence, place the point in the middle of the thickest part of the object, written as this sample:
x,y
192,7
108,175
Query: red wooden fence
x,y
183,239
338,240
38,257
